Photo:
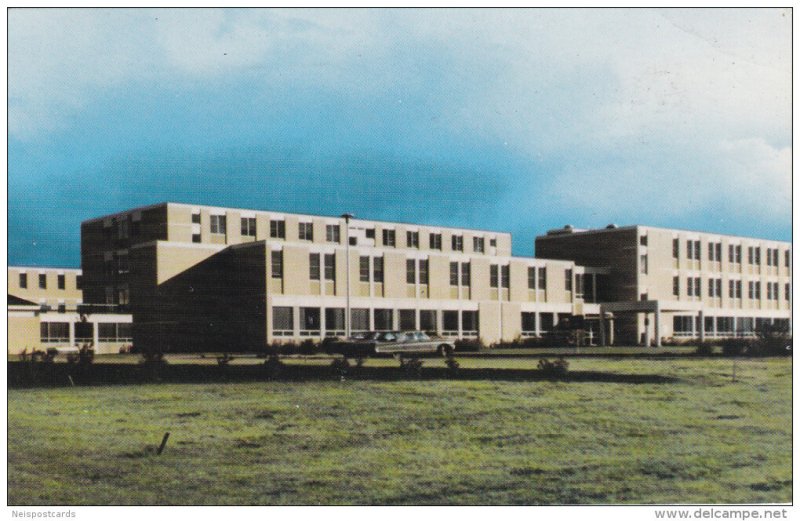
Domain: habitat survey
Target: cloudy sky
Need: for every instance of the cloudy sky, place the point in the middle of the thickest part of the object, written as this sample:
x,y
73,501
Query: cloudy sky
x,y
515,120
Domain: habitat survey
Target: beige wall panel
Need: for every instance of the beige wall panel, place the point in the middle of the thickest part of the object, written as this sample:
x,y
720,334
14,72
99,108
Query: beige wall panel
x,y
173,260
23,333
489,321
233,227
512,320
394,268
295,270
439,273
519,281
179,219
479,278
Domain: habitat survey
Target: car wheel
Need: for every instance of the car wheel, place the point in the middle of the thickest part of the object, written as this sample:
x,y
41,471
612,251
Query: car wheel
x,y
445,350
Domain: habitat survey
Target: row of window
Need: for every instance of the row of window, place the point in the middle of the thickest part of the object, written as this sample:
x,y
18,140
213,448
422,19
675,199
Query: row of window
x,y
122,229
58,332
61,281
693,252
683,325
694,289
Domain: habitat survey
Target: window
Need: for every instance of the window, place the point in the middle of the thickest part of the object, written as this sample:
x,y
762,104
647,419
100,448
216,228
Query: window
x,y
477,244
731,255
330,266
218,224
454,274
757,253
306,232
79,282
715,251
412,239
334,319
411,271
457,242
389,238
277,229
758,290
123,295
697,287
568,280
676,248
787,256
423,271
542,278
696,255
408,319
313,266
643,240
739,289
282,320
450,321
435,241
359,319
377,269
62,283
493,243
23,280
123,265
788,292
775,257
469,322
363,269
531,278
332,233
528,322
676,286
465,274
249,226
123,231
54,331
195,237
309,320
750,259
493,275
42,281
276,259
718,292
718,251
751,290
196,218
427,320
505,276
712,288
369,233
738,258
643,264
731,289
769,291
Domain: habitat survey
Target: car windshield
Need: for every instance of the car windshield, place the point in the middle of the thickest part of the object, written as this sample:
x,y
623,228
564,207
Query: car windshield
x,y
386,336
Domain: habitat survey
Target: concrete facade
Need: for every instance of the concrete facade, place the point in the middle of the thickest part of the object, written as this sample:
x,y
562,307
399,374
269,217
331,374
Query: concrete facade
x,y
209,278
666,284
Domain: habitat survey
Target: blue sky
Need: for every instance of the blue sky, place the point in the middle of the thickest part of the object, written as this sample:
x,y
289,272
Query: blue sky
x,y
515,120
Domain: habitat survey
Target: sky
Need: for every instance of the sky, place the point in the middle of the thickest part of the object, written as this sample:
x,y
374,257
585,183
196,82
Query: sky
x,y
511,119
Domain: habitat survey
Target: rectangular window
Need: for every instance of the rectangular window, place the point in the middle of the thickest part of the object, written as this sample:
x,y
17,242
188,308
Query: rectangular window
x,y
309,319
411,271
531,278
690,286
249,226
719,288
493,275
731,289
730,253
363,269
758,291
676,248
123,265
643,264
477,244
195,237
739,289
505,276
23,280
450,321
738,259
493,243
79,282
457,242
435,241
769,290
465,274
454,274
427,320
412,239
196,218
277,229
276,259
330,266
568,280
788,292
676,286
313,266
528,322
408,319
359,319
369,233
469,321
423,271
757,253
775,257
787,258
643,240
218,224
332,233
54,331
62,282
697,250
306,232
711,287
769,256
542,278
377,269
334,319
282,319
697,287
389,238
42,281
751,290
750,256
383,319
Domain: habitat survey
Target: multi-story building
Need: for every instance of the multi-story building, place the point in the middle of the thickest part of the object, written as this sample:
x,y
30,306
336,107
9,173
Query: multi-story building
x,y
199,277
665,283
45,308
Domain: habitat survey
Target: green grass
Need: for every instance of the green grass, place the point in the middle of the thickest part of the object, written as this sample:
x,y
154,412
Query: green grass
x,y
702,439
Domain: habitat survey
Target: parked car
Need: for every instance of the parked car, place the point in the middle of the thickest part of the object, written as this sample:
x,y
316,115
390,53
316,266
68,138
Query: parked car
x,y
391,342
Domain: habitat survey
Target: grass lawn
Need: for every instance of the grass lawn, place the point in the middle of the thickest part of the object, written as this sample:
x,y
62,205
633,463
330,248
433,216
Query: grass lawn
x,y
700,439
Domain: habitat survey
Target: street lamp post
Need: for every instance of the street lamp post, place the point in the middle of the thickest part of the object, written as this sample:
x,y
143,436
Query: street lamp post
x,y
347,217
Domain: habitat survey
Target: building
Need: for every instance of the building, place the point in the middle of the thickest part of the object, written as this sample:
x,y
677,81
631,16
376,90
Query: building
x,y
208,278
45,308
675,284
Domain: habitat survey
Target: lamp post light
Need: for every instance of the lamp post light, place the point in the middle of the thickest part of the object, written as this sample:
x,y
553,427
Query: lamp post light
x,y
347,217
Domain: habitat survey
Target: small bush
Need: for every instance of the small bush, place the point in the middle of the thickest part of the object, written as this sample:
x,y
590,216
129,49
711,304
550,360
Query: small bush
x,y
411,366
704,349
452,365
772,340
735,346
470,345
152,358
224,359
307,347
273,366
555,368
340,367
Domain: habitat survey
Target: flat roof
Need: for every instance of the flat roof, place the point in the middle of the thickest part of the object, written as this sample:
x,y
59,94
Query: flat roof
x,y
580,231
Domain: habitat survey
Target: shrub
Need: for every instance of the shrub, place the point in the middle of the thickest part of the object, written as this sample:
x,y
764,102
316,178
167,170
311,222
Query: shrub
x,y
411,366
273,366
735,346
153,358
224,359
555,368
470,345
452,365
704,349
86,355
307,347
772,340
340,367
